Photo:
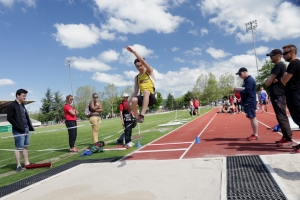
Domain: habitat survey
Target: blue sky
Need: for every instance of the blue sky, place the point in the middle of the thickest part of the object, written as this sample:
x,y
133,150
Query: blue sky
x,y
180,39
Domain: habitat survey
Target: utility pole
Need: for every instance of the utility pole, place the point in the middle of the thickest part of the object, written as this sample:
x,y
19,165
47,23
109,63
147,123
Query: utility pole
x,y
252,25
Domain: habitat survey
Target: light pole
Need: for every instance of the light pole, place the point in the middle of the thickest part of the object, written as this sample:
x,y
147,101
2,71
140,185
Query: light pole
x,y
68,63
252,26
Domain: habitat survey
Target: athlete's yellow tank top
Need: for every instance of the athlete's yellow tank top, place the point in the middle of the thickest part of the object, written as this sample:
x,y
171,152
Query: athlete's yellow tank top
x,y
145,83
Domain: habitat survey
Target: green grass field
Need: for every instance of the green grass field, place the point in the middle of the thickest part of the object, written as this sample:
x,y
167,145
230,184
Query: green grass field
x,y
55,138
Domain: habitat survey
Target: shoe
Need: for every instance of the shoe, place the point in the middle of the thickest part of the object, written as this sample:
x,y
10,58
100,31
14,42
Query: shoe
x,y
129,144
296,150
140,119
74,150
253,137
278,141
285,143
19,169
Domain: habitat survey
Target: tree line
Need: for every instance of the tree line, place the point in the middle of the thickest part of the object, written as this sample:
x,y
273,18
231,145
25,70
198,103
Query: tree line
x,y
206,89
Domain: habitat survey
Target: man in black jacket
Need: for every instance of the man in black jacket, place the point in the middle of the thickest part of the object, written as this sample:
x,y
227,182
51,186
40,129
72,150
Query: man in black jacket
x,y
21,125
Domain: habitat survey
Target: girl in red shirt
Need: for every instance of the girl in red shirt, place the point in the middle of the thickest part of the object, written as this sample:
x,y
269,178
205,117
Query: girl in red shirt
x,y
70,115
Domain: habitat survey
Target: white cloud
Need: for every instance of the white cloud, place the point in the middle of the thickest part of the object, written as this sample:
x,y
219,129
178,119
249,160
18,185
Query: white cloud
x,y
175,49
122,38
9,3
77,35
13,94
176,59
194,52
204,31
193,32
5,81
128,57
90,65
262,50
217,53
133,16
271,18
109,56
116,79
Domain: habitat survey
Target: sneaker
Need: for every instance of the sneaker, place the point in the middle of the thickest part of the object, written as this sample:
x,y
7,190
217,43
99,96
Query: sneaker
x,y
278,141
73,150
140,119
19,169
129,144
296,150
253,137
285,143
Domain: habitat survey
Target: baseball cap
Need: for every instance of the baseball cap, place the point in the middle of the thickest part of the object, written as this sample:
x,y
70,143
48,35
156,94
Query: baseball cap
x,y
125,95
274,52
242,69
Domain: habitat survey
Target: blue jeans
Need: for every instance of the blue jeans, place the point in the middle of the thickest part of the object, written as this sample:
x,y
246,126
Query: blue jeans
x,y
21,139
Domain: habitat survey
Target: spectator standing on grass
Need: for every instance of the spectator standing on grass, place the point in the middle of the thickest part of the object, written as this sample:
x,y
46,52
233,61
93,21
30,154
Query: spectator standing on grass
x,y
196,106
278,97
95,116
71,123
126,121
21,125
192,107
248,96
263,96
143,82
292,88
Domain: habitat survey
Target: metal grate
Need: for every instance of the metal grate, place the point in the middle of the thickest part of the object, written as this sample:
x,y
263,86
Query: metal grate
x,y
8,189
248,178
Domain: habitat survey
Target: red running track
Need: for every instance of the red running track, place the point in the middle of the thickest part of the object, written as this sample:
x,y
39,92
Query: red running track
x,y
220,135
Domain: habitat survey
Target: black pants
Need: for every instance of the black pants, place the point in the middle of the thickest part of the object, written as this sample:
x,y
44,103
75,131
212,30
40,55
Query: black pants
x,y
279,105
72,132
293,104
128,131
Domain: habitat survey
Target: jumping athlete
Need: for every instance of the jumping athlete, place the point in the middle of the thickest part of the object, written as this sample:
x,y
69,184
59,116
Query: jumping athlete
x,y
143,82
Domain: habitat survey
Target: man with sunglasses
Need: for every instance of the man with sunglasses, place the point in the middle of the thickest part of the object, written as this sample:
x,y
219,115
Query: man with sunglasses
x,y
248,96
292,88
95,116
143,82
278,99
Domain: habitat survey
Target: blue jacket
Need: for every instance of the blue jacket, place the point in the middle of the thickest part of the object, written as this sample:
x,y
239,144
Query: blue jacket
x,y
248,95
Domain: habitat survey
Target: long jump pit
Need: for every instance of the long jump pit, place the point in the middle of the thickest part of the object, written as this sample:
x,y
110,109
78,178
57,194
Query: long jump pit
x,y
147,179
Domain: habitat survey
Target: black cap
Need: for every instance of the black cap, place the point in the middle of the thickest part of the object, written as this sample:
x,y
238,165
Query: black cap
x,y
274,52
243,69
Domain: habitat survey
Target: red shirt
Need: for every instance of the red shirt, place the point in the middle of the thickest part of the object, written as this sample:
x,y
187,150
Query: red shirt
x,y
230,99
123,105
196,103
68,116
237,95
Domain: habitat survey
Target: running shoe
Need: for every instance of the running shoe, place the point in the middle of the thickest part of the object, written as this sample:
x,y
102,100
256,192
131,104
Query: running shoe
x,y
19,169
74,150
285,143
140,119
253,137
129,144
281,140
296,150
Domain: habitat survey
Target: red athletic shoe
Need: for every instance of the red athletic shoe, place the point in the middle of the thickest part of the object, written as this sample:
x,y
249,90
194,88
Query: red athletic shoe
x,y
253,137
285,143
276,142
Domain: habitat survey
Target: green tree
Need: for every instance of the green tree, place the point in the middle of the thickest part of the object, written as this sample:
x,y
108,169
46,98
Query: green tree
x,y
226,84
158,102
210,92
110,96
170,102
83,97
57,106
264,73
186,99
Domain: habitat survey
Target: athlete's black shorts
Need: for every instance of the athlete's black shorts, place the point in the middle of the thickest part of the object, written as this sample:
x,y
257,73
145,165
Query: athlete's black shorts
x,y
152,100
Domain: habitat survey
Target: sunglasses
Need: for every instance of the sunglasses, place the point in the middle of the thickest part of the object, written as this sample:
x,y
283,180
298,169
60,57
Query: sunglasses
x,y
284,53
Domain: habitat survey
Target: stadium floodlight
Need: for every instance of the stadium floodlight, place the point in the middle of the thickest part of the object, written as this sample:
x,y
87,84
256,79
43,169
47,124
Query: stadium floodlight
x,y
69,63
252,25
